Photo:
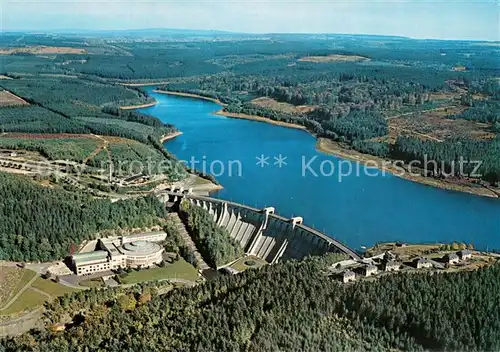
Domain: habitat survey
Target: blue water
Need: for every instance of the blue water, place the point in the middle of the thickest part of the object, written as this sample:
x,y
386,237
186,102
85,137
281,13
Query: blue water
x,y
359,210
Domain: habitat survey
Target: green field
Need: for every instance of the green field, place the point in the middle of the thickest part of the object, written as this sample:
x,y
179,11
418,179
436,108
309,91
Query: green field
x,y
52,288
13,279
91,283
178,270
57,148
28,300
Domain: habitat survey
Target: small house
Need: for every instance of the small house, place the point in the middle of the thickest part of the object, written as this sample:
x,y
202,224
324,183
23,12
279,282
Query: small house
x,y
421,263
369,270
465,254
391,265
451,258
348,276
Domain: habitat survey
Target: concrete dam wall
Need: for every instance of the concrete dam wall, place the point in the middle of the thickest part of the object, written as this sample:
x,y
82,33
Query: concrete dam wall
x,y
263,233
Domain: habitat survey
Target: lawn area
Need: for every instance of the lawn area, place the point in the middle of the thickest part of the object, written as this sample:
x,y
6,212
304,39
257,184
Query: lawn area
x,y
52,288
91,283
177,270
9,278
12,281
28,300
243,264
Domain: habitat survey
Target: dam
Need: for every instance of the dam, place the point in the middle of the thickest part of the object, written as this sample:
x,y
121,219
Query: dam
x,y
261,232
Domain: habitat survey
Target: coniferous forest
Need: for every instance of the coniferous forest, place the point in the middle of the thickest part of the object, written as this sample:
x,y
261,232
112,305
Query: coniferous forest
x,y
214,242
42,224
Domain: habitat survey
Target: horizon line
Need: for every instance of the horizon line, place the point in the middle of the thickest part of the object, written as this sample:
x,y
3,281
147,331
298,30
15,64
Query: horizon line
x,y
227,32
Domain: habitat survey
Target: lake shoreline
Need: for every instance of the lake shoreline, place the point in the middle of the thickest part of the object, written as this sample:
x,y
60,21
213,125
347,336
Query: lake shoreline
x,y
189,95
170,136
133,107
143,84
233,115
329,147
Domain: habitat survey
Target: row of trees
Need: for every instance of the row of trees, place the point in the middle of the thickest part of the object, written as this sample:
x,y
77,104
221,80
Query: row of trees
x,y
214,242
288,306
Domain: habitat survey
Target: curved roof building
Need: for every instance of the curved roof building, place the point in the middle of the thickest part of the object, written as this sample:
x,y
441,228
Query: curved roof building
x,y
142,253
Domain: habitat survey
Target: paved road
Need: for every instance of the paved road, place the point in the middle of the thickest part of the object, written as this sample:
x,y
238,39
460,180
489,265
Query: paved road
x,y
20,324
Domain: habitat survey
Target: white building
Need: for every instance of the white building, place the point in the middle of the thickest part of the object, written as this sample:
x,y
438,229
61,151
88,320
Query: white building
x,y
421,263
391,266
369,270
121,252
348,276
465,254
451,258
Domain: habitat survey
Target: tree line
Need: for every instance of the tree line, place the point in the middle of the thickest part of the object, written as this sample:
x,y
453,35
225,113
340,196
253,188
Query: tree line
x,y
214,242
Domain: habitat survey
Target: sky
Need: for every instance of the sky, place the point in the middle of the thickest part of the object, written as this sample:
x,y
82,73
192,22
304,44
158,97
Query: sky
x,y
445,19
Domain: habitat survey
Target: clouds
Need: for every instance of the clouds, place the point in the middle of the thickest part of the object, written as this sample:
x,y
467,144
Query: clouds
x,y
443,19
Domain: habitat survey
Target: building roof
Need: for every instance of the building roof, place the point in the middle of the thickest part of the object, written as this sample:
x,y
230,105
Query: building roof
x,y
82,258
465,252
348,273
451,256
140,248
144,234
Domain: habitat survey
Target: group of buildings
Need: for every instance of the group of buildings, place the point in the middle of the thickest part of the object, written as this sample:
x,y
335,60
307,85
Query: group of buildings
x,y
388,263
111,253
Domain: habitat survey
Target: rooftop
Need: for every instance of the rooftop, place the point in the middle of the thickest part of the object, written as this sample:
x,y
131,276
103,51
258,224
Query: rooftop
x,y
82,258
140,248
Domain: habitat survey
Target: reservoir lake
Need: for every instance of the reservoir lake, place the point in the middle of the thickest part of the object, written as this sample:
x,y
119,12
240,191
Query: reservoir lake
x,y
260,165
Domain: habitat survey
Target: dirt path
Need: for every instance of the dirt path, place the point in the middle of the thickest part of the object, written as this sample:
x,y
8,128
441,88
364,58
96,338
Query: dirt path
x,y
420,112
103,145
19,293
416,133
20,324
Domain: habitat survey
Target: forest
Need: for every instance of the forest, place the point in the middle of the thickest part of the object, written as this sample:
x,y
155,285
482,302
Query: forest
x,y
69,103
346,101
214,243
42,224
289,306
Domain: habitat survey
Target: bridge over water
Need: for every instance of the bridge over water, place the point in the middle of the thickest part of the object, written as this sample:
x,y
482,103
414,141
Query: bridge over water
x,y
261,232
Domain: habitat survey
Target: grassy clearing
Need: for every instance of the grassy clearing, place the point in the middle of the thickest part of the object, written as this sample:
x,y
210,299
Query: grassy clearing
x,y
435,125
93,283
9,279
334,58
177,270
42,50
28,300
27,275
54,147
269,103
250,262
52,288
9,99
